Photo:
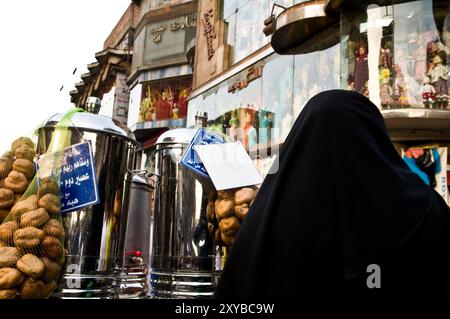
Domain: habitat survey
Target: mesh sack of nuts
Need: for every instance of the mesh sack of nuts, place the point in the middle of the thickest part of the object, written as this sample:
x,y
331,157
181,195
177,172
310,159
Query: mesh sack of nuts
x,y
31,233
225,212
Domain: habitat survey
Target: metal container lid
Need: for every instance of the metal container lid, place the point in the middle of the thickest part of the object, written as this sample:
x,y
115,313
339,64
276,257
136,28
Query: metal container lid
x,y
177,136
94,123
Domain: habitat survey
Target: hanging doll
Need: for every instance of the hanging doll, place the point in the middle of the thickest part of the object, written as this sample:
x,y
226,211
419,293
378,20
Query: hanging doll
x,y
386,93
175,111
428,93
439,79
164,106
365,90
182,102
361,70
386,58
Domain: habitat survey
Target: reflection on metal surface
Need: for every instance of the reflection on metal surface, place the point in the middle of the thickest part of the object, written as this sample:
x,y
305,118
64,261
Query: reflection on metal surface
x,y
304,28
184,264
136,260
149,125
94,238
333,7
94,123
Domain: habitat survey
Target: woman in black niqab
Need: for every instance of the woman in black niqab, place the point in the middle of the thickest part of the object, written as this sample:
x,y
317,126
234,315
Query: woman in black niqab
x,y
341,200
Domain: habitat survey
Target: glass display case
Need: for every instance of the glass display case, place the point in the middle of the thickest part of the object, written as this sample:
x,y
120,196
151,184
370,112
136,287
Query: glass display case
x,y
164,99
397,55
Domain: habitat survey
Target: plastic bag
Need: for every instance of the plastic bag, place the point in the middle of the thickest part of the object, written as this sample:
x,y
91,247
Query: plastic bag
x,y
32,234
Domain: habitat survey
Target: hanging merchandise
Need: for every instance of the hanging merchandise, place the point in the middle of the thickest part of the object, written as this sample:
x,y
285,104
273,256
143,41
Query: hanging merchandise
x,y
439,79
32,234
430,163
361,70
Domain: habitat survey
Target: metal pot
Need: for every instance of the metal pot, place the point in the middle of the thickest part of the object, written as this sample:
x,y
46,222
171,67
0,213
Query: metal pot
x,y
184,263
95,235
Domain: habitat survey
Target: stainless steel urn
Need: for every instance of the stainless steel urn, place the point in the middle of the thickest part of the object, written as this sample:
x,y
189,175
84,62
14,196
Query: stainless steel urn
x,y
184,262
95,235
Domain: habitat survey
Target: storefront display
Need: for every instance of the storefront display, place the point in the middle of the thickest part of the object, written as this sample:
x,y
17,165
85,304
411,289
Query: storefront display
x,y
397,55
259,105
164,100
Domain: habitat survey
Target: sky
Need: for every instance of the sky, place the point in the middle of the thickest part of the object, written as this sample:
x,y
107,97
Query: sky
x,y
42,42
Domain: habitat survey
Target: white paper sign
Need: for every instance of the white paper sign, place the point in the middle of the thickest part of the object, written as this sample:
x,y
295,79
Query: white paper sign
x,y
228,165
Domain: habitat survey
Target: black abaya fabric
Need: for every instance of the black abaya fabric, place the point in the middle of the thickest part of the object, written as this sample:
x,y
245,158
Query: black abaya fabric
x,y
342,199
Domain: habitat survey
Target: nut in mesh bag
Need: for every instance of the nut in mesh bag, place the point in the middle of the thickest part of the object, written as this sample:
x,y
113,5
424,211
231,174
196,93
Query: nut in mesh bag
x,y
16,181
52,248
9,256
10,278
25,167
55,229
6,198
7,231
28,237
35,218
25,152
5,167
31,265
48,186
21,142
24,206
51,270
32,289
51,203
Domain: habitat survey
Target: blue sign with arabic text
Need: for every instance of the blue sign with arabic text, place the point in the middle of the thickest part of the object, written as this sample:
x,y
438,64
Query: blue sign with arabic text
x,y
79,187
190,159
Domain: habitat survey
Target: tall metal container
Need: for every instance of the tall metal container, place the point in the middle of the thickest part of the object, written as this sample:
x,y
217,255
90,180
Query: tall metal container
x,y
136,263
95,235
184,262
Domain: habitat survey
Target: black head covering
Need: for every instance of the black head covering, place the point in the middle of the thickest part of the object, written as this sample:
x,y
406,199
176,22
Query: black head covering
x,y
342,199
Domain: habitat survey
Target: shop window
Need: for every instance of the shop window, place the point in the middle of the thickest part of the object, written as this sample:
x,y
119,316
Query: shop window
x,y
277,95
164,99
244,21
237,111
397,55
313,73
196,104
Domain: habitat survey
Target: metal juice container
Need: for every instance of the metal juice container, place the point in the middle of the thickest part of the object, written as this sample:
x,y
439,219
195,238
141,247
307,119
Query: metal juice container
x,y
184,262
95,235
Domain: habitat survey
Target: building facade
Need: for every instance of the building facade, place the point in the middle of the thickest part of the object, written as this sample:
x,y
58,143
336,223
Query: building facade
x,y
253,87
108,75
161,74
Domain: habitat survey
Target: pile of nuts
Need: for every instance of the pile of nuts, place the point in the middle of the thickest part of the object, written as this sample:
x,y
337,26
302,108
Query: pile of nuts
x,y
225,212
16,173
31,238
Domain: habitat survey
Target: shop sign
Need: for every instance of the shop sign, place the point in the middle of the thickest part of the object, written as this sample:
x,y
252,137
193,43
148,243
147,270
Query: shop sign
x,y
175,25
209,32
78,183
166,41
250,75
